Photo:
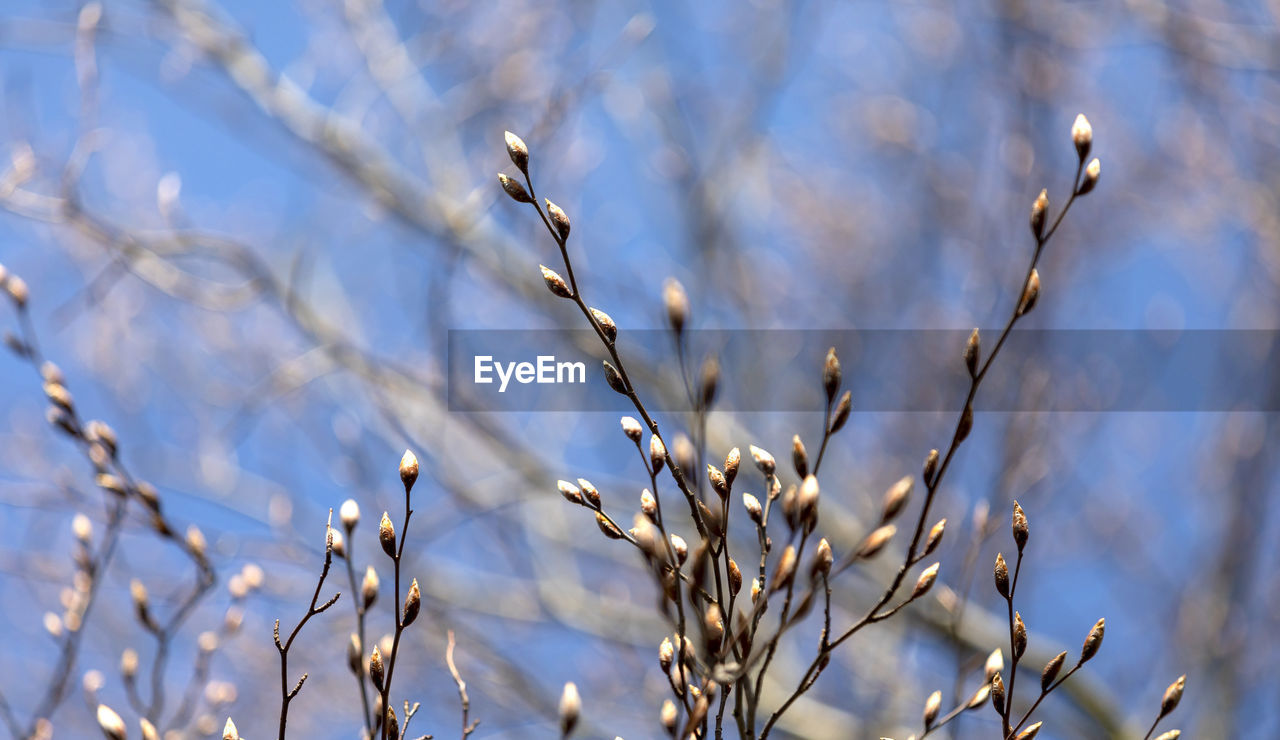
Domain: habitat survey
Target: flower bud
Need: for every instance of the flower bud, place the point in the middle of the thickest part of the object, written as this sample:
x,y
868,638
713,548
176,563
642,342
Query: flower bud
x,y
972,353
632,428
799,457
607,326
110,722
1020,529
558,219
925,581
412,603
570,709
229,731
831,375
349,513
842,412
514,189
1039,214
931,707
555,283
387,535
1172,696
1002,575
1051,670
377,671
1090,179
369,588
1093,641
764,461
1082,136
676,304
518,152
614,378
408,469
731,463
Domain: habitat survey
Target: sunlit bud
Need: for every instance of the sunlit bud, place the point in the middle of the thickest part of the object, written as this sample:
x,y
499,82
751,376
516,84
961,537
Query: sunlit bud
x,y
129,663
196,540
1082,136
979,697
589,492
764,461
666,653
753,507
387,535
735,578
377,670
52,624
570,708
718,482
614,378
632,428
349,513
1172,696
994,665
799,456
16,287
149,731
555,283
683,452
369,588
354,652
82,527
393,725
559,219
669,717
1170,735
843,409
517,150
606,323
408,469
229,731
823,558
514,189
925,581
807,500
731,463
676,303
785,569
607,527
657,452
680,547
1020,529
930,467
997,693
972,353
1051,670
831,375
1030,295
1030,732
1019,636
412,603
755,589
714,624
1039,213
649,505
110,722
931,707
1002,575
1093,641
1090,179
896,497
710,382
876,541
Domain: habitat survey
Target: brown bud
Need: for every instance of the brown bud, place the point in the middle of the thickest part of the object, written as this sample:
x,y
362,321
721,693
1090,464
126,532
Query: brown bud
x,y
1172,696
387,535
842,412
1030,732
785,569
666,653
1093,641
393,726
997,693
931,707
807,502
972,353
589,492
1020,530
735,578
831,375
714,624
377,671
925,581
570,492
570,709
555,283
408,469
558,219
607,326
1051,670
355,653
614,379
518,152
1002,575
1019,636
514,189
1039,213
607,527
966,424
657,452
895,498
1090,179
1082,136
876,541
799,457
1031,293
935,537
822,559
930,467
369,588
764,461
676,303
718,482
754,510
412,603
731,463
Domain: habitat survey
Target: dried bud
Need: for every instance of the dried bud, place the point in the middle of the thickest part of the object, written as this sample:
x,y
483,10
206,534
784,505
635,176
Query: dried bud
x,y
994,664
1172,696
799,457
972,353
607,326
1051,670
1039,213
785,569
110,722
632,428
657,452
677,304
895,498
555,283
842,412
930,467
614,378
1019,636
1082,136
518,152
822,559
1090,180
710,382
570,709
1002,575
925,581
719,483
387,535
997,693
1093,641
349,513
876,541
764,461
731,463
607,527
1030,295
669,717
1030,732
931,707
376,669
369,588
1020,530
649,505
558,219
735,578
514,189
754,510
229,731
